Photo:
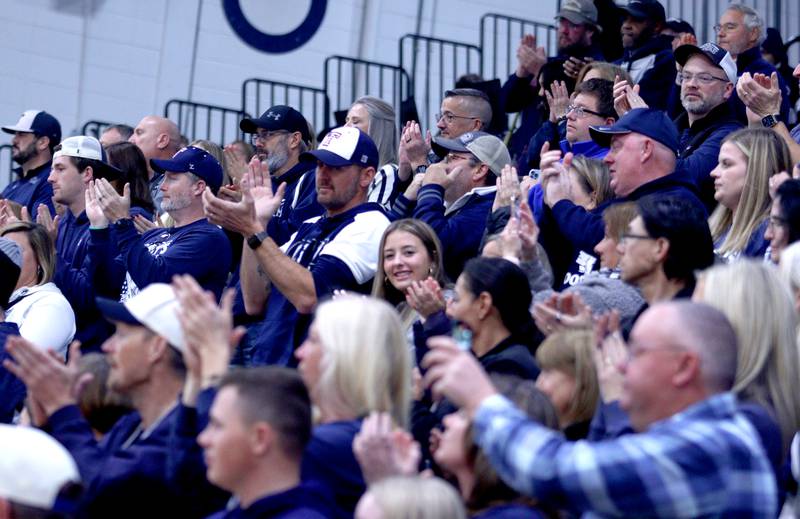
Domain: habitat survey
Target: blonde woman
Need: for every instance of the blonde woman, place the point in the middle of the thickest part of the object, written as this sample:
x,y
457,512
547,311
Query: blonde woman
x,y
759,306
568,378
354,361
590,182
747,160
403,497
409,254
790,270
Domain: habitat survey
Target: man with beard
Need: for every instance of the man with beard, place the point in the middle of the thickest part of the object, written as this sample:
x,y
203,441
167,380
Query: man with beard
x,y
336,251
708,79
280,135
35,135
158,138
193,246
648,55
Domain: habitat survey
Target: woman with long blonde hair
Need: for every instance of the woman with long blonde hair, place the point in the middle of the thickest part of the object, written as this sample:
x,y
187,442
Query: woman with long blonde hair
x,y
747,160
758,304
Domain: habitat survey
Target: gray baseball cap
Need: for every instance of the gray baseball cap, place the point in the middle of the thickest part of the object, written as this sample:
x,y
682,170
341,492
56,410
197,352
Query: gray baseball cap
x,y
579,12
489,149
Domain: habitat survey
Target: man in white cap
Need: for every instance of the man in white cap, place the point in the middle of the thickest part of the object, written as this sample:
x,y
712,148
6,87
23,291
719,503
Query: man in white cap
x,y
35,135
38,476
145,355
77,161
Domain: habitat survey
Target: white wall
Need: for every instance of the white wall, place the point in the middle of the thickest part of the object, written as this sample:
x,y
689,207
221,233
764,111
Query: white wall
x,y
117,60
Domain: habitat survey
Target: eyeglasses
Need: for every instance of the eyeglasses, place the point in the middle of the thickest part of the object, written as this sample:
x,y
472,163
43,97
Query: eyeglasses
x,y
776,221
703,78
264,136
449,116
728,27
628,236
454,157
581,112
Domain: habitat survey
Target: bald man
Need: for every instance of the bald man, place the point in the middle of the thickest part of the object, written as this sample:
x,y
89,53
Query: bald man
x,y
159,139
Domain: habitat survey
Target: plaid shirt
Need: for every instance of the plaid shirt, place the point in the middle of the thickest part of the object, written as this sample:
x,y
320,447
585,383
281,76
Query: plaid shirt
x,y
704,461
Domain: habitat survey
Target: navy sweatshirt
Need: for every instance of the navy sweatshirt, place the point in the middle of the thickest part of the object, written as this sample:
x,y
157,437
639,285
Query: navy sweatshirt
x,y
652,67
32,190
329,462
199,249
73,277
305,501
125,453
459,227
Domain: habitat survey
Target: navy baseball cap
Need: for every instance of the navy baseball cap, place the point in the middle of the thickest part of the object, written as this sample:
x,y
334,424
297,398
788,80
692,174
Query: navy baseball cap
x,y
645,121
279,117
645,10
39,122
344,147
192,160
718,57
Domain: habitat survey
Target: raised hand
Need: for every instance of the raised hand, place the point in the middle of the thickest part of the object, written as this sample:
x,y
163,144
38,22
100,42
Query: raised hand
x,y
425,297
611,353
143,225
235,163
257,184
114,207
557,100
94,211
416,145
383,451
530,58
760,94
45,219
508,191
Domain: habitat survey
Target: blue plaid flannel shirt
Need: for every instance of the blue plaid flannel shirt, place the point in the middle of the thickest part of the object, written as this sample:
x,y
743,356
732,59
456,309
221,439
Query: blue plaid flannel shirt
x,y
705,461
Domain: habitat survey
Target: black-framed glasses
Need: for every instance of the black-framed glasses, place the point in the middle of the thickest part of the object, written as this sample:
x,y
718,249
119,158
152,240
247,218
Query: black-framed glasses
x,y
630,236
450,116
265,135
703,78
581,112
727,26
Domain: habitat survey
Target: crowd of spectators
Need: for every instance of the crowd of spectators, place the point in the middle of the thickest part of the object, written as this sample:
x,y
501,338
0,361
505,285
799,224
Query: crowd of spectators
x,y
592,313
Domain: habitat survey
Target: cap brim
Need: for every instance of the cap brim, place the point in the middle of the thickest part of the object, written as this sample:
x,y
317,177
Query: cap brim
x,y
116,311
634,12
15,129
164,165
248,126
326,157
602,134
442,147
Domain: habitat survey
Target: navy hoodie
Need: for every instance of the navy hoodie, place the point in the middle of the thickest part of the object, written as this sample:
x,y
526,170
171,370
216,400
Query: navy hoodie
x,y
656,82
12,390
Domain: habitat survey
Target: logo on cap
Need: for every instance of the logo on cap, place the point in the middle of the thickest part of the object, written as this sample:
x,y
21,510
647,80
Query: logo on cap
x,y
272,115
710,47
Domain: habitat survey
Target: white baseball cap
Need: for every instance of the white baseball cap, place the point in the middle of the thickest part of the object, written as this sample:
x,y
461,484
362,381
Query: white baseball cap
x,y
154,307
85,147
34,467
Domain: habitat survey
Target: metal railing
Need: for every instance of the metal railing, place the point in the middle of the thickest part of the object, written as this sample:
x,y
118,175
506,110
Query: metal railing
x,y
218,124
500,36
94,128
346,79
260,94
6,166
435,65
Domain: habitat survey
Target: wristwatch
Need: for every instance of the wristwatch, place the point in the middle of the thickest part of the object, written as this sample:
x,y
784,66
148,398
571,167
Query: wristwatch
x,y
770,120
255,240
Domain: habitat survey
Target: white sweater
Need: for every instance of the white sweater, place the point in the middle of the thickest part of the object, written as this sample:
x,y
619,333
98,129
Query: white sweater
x,y
43,316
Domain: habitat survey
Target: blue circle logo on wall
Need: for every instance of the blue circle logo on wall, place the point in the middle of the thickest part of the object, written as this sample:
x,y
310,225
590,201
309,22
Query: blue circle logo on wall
x,y
275,43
